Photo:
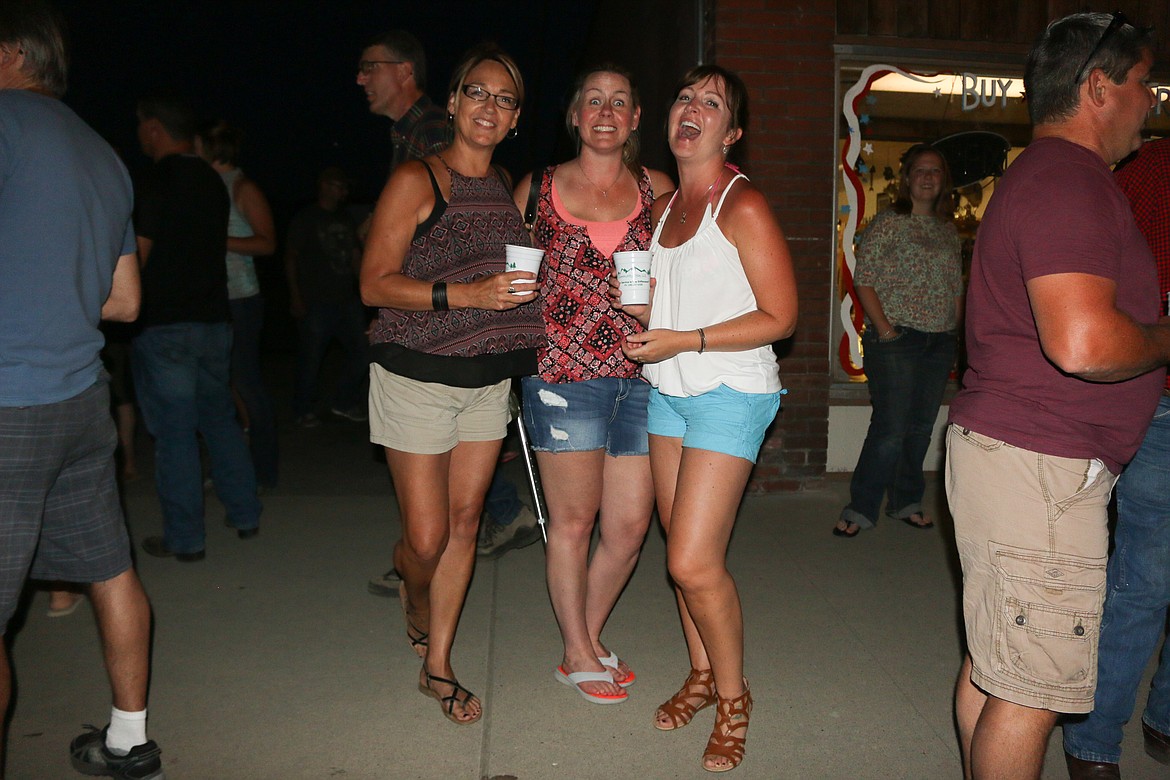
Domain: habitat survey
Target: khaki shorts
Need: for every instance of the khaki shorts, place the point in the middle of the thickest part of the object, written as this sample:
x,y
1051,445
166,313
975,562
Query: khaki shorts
x,y
1032,538
427,418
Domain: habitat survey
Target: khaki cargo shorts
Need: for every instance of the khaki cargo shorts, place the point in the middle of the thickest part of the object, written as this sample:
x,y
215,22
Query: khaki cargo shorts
x,y
1033,539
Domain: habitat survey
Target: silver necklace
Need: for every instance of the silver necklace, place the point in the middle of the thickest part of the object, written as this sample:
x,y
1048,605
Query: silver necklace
x,y
683,220
604,192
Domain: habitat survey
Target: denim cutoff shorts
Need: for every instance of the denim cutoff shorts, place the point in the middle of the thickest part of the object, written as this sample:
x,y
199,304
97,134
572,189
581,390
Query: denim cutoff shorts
x,y
607,413
720,420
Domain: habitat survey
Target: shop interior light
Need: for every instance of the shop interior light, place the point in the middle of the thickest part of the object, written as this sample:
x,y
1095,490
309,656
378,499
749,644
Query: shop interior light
x,y
949,84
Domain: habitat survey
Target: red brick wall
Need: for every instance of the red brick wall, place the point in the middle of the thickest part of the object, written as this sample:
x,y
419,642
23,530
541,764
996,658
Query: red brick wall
x,y
784,52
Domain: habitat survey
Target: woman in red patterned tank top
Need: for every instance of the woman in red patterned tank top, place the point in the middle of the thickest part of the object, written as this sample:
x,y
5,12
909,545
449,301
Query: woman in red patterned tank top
x,y
586,408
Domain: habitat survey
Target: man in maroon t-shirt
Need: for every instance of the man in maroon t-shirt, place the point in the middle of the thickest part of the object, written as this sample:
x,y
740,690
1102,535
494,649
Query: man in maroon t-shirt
x,y
1066,351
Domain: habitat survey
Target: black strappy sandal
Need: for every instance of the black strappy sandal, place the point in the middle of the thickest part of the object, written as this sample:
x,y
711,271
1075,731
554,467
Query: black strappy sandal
x,y
448,702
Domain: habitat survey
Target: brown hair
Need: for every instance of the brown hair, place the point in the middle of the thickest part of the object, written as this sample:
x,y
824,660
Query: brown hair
x,y
482,53
944,203
633,144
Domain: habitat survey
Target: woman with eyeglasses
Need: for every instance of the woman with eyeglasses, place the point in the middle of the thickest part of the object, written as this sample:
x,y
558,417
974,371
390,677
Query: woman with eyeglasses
x,y
724,292
452,330
585,410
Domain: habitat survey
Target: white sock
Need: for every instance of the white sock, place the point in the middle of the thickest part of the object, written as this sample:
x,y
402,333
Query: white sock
x,y
127,729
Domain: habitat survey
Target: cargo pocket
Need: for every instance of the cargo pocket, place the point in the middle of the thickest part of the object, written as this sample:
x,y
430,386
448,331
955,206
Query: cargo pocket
x,y
1048,616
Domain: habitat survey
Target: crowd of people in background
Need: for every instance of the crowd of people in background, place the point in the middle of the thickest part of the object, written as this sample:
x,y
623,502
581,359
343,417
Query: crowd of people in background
x,y
628,407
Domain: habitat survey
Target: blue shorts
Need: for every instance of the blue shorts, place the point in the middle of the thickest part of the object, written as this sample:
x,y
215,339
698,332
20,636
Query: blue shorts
x,y
587,416
720,420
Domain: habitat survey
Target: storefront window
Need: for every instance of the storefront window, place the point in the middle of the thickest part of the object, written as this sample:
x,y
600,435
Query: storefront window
x,y
977,117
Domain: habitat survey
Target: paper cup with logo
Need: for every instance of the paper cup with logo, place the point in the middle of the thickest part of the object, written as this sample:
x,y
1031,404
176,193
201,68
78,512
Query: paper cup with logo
x,y
523,258
633,273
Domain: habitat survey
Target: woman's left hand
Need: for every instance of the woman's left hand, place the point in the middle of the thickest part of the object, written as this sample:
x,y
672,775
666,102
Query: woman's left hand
x,y
653,346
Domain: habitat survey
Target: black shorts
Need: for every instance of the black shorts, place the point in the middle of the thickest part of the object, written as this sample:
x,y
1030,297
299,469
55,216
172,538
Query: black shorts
x,y
60,518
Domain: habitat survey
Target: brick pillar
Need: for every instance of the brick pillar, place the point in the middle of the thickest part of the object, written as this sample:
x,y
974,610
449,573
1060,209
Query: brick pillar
x,y
784,52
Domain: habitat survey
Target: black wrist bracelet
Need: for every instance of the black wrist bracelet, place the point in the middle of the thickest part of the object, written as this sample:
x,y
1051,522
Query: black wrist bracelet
x,y
439,296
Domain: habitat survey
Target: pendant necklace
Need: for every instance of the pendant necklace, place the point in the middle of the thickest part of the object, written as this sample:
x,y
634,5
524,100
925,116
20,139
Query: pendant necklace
x,y
683,219
604,192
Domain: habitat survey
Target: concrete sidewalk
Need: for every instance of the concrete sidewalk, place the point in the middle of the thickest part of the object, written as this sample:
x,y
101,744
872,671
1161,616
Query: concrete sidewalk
x,y
272,661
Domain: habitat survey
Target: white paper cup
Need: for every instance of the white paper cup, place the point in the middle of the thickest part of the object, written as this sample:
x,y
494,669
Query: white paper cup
x,y
633,273
523,258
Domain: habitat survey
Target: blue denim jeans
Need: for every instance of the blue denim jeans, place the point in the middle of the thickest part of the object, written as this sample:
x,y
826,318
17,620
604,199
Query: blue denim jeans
x,y
1137,594
248,382
181,375
322,323
502,502
907,379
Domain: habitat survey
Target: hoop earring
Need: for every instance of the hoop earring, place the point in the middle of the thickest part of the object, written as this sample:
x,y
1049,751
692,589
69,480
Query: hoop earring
x,y
513,133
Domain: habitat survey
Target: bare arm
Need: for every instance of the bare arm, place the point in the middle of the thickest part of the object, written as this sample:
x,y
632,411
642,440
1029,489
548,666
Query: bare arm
x,y
406,201
1084,333
254,206
144,246
126,293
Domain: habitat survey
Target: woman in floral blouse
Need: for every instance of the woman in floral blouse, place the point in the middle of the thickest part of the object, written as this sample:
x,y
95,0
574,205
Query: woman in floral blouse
x,y
909,282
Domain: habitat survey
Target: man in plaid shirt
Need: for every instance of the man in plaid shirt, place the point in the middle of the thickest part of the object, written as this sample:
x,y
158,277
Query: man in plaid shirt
x,y
1137,591
393,74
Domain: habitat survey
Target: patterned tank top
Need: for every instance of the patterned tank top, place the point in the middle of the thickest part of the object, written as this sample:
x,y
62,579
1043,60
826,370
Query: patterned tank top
x,y
584,332
462,241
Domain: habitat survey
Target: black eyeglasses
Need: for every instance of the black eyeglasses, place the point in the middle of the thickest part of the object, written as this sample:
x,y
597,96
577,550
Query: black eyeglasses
x,y
1115,24
479,94
366,67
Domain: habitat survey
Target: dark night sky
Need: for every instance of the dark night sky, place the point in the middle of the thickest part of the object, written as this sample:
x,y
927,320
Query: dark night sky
x,y
285,72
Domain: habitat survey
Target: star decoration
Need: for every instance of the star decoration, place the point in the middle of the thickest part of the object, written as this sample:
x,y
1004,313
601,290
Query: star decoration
x,y
938,92
864,119
862,168
867,149
845,209
871,100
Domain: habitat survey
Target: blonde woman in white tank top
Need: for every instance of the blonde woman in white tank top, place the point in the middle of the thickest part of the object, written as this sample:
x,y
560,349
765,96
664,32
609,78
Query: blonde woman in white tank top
x,y
725,291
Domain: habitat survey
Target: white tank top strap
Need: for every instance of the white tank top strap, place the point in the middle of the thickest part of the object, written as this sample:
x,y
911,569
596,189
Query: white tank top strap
x,y
727,189
662,219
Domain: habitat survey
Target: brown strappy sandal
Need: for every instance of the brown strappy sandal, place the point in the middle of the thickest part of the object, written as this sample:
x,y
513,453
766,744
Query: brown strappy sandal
x,y
680,708
730,733
416,637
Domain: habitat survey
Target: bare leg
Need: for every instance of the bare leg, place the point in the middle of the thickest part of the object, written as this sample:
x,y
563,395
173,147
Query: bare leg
x,y
999,739
440,499
1010,741
969,702
123,617
626,504
701,509
583,592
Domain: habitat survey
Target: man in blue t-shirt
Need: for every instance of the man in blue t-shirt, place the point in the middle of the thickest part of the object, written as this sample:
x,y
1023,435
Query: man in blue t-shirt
x,y
67,261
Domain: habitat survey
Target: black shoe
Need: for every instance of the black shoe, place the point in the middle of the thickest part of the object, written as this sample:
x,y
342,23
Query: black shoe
x,y
1157,744
89,755
155,546
248,533
1079,769
385,585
